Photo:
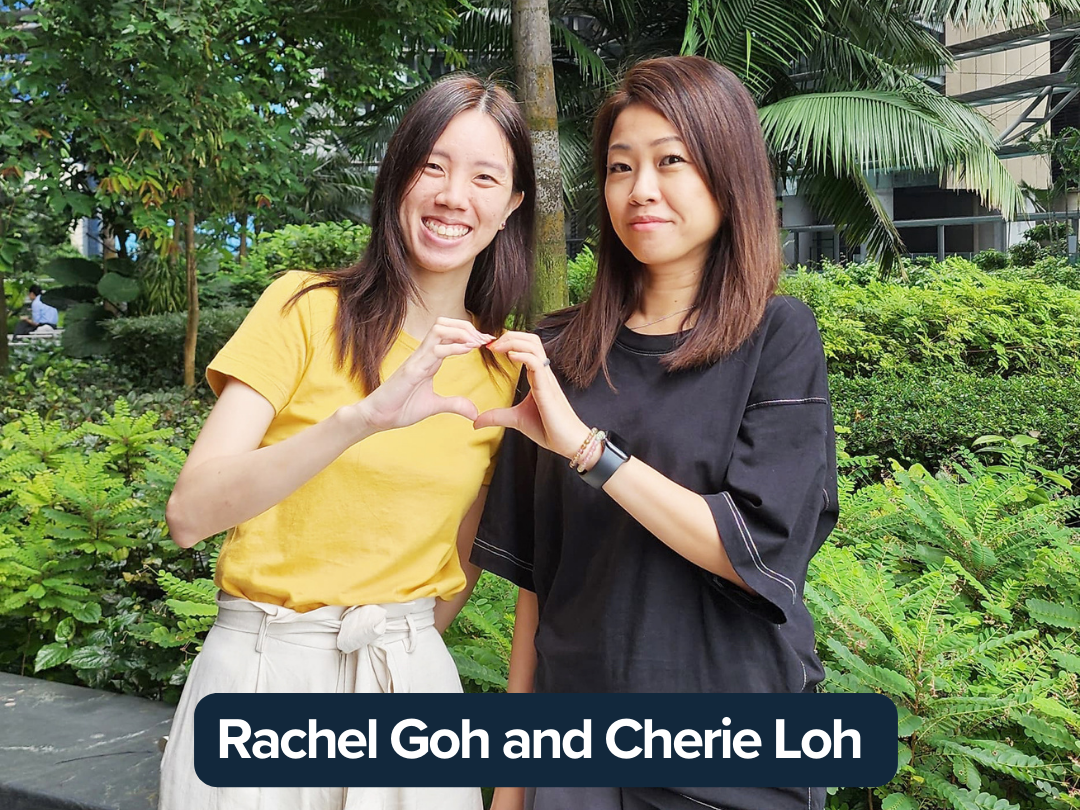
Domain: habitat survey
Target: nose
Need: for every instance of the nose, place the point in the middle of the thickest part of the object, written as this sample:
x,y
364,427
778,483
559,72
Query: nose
x,y
645,189
453,192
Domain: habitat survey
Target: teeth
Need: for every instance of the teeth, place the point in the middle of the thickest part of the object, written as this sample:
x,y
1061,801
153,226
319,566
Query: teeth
x,y
450,231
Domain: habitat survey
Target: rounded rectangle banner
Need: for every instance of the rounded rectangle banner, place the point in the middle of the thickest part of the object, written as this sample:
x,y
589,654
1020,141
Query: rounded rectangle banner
x,y
568,740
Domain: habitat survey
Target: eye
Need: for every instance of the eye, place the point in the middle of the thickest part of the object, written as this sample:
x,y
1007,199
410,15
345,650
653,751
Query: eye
x,y
671,160
485,178
433,167
617,168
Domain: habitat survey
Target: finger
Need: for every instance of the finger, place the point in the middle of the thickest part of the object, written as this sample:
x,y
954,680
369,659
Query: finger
x,y
459,405
532,362
444,350
464,326
517,340
496,417
441,333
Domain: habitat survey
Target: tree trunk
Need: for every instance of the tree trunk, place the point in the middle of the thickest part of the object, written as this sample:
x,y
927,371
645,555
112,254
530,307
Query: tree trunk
x,y
4,358
536,90
242,219
192,333
4,361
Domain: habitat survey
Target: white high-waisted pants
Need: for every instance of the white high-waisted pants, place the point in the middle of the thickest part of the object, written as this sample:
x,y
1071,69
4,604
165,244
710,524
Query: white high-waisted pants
x,y
257,647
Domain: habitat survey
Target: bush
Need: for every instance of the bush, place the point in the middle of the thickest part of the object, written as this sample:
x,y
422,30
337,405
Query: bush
x,y
81,530
990,260
321,246
962,318
924,415
151,348
580,275
959,600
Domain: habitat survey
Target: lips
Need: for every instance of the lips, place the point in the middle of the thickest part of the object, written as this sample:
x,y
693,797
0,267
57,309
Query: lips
x,y
445,230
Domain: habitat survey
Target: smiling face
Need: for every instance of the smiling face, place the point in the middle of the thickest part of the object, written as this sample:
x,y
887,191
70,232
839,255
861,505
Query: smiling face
x,y
461,197
659,204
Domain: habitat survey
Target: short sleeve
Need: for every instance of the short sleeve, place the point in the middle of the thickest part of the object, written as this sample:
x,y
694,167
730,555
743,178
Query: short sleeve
x,y
270,349
779,498
504,542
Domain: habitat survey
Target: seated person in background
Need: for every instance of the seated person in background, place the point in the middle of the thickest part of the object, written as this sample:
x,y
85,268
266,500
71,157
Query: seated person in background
x,y
41,314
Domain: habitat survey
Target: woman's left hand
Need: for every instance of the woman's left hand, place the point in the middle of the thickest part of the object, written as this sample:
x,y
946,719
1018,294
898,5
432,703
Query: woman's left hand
x,y
545,415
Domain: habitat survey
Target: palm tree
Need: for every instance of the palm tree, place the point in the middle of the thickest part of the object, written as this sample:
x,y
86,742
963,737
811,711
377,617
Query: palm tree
x,y
838,83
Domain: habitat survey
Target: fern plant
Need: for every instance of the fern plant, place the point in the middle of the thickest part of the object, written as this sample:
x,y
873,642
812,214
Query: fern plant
x,y
959,597
479,639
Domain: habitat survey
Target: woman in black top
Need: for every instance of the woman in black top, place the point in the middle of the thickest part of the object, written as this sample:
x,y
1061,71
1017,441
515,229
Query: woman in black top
x,y
714,481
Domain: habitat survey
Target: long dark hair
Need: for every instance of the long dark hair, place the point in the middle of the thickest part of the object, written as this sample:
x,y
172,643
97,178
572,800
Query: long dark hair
x,y
718,122
374,293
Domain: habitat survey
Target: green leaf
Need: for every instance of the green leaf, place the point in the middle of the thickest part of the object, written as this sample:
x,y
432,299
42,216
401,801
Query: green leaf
x,y
51,655
1067,661
899,801
1048,733
74,271
91,657
907,722
118,289
65,631
88,613
1053,614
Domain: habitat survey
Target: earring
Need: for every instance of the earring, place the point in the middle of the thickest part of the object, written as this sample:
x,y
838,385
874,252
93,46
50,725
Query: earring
x,y
503,225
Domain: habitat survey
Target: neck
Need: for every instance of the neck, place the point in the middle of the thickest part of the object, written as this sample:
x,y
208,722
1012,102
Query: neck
x,y
667,290
442,295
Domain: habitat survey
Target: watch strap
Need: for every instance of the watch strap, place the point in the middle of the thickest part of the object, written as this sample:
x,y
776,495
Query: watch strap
x,y
610,460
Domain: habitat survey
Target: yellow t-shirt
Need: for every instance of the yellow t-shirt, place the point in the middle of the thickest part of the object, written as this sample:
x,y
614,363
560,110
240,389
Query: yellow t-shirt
x,y
380,523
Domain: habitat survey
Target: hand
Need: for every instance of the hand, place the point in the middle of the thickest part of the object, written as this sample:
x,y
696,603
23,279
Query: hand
x,y
408,396
545,415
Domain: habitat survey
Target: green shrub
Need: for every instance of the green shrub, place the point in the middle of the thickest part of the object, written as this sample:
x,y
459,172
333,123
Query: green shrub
x,y
959,600
924,414
962,318
581,274
991,260
151,348
319,246
479,639
81,529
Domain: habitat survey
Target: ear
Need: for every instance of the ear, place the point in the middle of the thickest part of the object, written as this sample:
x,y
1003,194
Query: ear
x,y
516,199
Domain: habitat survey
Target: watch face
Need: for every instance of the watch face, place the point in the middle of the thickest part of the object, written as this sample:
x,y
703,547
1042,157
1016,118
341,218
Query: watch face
x,y
617,445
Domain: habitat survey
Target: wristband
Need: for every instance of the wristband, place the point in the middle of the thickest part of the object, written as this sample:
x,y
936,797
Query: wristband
x,y
611,458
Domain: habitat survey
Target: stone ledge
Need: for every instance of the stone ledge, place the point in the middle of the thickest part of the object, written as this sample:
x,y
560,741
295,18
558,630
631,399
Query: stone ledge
x,y
71,748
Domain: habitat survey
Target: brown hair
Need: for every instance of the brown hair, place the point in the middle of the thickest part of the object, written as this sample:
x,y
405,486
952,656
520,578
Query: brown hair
x,y
374,293
718,121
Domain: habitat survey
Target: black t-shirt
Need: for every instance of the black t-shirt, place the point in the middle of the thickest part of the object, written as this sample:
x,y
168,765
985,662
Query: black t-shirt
x,y
618,610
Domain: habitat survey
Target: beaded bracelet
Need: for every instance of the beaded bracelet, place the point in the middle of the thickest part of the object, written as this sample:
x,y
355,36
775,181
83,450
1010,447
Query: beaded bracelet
x,y
599,439
584,444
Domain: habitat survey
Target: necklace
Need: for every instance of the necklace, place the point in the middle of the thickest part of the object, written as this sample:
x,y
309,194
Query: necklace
x,y
650,323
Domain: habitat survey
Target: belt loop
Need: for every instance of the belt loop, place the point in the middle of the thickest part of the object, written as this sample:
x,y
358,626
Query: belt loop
x,y
410,641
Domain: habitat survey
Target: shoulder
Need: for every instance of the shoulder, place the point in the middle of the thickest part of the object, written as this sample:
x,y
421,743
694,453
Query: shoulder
x,y
286,293
788,326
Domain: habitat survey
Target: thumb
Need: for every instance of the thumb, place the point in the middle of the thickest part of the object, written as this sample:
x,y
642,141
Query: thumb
x,y
459,405
497,417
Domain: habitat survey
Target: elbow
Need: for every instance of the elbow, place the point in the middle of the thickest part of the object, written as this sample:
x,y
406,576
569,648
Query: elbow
x,y
181,530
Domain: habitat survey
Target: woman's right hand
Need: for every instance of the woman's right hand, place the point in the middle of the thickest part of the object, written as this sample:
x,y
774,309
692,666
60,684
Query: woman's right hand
x,y
408,396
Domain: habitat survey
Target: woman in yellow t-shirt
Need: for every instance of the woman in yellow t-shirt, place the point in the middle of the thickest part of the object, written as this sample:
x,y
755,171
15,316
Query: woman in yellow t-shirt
x,y
337,454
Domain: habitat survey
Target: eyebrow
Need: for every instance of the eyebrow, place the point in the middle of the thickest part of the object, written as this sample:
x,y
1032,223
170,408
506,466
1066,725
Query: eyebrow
x,y
657,142
487,164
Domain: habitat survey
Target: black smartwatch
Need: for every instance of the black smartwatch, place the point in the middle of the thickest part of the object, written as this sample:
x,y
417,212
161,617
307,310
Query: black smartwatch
x,y
611,458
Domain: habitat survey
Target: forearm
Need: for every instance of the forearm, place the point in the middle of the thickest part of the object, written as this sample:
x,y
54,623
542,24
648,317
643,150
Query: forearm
x,y
523,647
221,492
681,519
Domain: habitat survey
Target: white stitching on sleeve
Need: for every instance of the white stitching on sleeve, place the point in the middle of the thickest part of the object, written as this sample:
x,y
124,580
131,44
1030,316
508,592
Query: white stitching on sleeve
x,y
755,555
506,555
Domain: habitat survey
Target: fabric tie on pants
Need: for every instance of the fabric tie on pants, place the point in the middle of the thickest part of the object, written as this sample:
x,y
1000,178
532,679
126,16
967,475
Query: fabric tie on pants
x,y
374,641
